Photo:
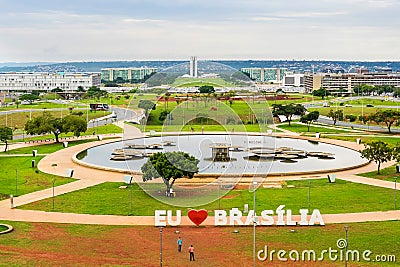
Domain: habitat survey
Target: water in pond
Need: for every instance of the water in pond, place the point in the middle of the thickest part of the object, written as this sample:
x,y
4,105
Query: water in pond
x,y
243,159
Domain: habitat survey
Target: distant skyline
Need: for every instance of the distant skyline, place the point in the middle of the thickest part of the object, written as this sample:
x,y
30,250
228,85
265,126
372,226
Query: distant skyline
x,y
99,30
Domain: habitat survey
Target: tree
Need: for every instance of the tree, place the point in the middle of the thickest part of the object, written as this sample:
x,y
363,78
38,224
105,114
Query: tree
x,y
389,117
379,152
81,89
28,97
169,166
146,105
56,90
166,98
321,92
364,118
163,115
45,124
288,110
206,89
335,115
309,118
75,124
95,92
351,117
6,134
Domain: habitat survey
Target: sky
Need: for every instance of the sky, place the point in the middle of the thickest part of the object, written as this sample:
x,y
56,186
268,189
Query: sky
x,y
94,30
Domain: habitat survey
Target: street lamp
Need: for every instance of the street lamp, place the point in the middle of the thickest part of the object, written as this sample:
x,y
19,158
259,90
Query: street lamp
x,y
52,207
254,222
161,231
16,182
309,195
219,195
346,229
395,189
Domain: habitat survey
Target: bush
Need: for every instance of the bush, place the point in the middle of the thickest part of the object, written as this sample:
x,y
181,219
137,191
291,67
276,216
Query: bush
x,y
351,117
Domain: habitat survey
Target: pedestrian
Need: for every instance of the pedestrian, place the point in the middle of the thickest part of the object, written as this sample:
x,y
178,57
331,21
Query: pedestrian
x,y
191,253
179,244
202,129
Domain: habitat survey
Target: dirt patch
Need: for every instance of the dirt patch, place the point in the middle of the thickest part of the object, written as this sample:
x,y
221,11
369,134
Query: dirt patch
x,y
230,196
66,245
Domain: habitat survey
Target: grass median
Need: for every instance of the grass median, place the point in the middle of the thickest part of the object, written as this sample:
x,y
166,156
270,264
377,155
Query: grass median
x,y
17,177
339,197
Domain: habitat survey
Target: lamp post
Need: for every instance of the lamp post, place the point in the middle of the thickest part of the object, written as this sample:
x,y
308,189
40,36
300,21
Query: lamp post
x,y
346,229
219,195
395,189
254,222
161,231
52,207
309,194
16,182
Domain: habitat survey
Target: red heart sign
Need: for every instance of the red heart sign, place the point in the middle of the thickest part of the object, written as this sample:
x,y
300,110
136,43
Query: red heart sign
x,y
197,216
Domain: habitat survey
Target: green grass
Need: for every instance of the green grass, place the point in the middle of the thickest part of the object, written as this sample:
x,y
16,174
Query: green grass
x,y
3,228
104,129
386,174
18,120
207,128
375,102
390,139
191,82
329,198
45,148
29,179
301,128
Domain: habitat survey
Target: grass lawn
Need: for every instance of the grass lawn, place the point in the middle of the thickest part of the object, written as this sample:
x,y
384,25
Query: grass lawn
x,y
18,120
45,148
386,174
329,198
3,228
29,179
302,128
207,128
48,244
104,129
390,139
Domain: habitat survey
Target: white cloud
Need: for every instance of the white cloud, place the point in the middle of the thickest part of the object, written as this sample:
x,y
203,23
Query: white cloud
x,y
275,30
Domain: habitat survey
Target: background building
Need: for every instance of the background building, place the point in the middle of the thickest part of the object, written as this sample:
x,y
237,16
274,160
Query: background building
x,y
47,81
346,81
193,72
293,79
126,75
271,75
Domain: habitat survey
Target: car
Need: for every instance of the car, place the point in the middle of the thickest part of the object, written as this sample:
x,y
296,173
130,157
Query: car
x,y
370,105
348,105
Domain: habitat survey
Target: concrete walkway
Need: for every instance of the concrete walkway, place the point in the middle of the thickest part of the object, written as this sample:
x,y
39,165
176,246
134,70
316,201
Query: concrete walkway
x,y
57,163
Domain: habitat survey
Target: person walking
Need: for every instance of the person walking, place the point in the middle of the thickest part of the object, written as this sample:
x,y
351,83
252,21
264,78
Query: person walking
x,y
179,244
191,253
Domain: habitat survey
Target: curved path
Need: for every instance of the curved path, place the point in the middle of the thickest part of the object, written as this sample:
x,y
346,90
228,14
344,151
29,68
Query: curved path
x,y
90,177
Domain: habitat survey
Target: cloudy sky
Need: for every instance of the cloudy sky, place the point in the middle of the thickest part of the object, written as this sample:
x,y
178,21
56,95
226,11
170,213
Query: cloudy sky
x,y
86,30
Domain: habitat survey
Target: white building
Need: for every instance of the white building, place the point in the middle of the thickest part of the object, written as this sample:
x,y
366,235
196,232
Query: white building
x,y
14,82
293,79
